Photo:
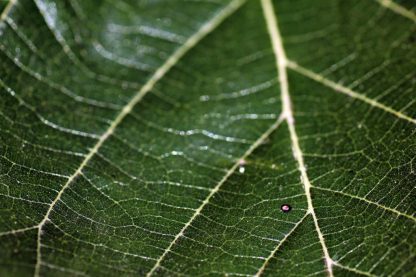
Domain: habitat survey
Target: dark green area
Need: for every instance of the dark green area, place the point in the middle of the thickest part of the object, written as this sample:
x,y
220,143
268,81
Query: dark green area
x,y
167,190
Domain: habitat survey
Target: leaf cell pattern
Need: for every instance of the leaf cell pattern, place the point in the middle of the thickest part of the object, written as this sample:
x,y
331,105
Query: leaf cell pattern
x,y
162,138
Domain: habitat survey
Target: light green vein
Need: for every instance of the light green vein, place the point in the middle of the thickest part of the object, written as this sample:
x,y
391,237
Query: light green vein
x,y
7,9
273,253
398,9
344,90
356,271
207,28
230,172
367,201
281,65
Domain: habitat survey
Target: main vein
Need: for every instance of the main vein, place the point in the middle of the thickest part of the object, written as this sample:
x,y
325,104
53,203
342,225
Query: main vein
x,y
207,28
281,63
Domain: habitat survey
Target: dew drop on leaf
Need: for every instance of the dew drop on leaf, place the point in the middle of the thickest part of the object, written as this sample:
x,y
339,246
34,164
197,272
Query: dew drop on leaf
x,y
241,168
285,208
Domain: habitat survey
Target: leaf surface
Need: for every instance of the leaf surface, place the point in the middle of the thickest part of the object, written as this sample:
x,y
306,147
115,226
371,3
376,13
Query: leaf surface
x,y
162,138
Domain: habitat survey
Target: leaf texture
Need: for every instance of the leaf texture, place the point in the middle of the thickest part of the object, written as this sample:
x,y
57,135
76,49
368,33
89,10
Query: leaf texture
x,y
162,138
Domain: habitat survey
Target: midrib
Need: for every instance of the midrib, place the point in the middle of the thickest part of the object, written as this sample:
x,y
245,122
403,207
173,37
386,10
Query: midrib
x,y
281,64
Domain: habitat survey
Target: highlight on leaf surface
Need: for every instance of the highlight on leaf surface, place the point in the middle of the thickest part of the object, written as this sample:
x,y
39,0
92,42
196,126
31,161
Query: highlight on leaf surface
x,y
207,138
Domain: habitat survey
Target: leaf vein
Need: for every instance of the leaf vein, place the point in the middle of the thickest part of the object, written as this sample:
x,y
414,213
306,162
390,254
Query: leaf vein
x,y
347,91
367,201
397,8
273,253
193,40
281,65
7,10
230,172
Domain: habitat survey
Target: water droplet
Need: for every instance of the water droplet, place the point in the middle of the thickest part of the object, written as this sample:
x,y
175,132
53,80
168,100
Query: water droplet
x,y
204,98
241,163
285,208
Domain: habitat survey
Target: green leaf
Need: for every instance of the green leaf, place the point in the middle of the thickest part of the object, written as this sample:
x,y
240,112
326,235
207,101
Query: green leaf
x,y
163,138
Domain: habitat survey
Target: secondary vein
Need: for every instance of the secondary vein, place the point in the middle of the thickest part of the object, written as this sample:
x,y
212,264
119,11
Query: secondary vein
x,y
230,172
354,270
7,10
344,90
273,253
363,199
398,9
206,28
281,64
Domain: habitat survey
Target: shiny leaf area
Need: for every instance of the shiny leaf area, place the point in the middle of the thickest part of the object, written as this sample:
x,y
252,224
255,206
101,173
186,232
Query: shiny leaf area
x,y
207,138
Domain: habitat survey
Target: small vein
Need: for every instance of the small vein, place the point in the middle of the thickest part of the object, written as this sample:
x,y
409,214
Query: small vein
x,y
43,119
398,9
357,271
273,253
230,172
56,86
17,231
100,245
192,132
33,169
367,201
69,53
347,91
193,40
63,269
281,64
